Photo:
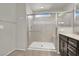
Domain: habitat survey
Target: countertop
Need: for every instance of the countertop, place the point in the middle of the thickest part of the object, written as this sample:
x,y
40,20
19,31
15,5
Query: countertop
x,y
71,35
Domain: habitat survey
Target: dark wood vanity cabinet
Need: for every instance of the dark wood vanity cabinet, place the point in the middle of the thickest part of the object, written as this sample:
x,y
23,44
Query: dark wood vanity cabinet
x,y
63,45
68,46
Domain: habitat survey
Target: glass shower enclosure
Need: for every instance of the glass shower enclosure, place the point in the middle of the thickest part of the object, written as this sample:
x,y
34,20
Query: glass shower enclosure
x,y
42,31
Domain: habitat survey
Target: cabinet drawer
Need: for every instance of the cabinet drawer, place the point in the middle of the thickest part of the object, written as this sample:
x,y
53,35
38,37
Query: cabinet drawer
x,y
73,42
71,53
72,49
63,37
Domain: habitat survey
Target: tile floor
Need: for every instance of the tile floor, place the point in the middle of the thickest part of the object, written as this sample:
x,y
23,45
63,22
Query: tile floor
x,y
33,53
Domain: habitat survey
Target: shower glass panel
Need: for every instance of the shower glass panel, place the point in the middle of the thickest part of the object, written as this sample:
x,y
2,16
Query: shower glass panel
x,y
76,19
65,22
42,28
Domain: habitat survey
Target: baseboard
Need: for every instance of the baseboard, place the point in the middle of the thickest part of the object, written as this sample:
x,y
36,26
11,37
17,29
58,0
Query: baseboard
x,y
9,52
12,51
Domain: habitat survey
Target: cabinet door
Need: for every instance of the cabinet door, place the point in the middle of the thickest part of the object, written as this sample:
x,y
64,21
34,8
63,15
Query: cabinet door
x,y
61,45
77,48
65,48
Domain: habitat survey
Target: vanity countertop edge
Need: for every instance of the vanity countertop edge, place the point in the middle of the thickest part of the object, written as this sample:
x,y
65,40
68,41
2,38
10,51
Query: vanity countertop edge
x,y
71,35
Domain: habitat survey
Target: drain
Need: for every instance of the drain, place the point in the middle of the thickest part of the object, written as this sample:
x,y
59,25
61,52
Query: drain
x,y
41,45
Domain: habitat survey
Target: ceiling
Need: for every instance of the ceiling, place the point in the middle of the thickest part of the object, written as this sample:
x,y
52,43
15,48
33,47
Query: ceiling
x,y
47,7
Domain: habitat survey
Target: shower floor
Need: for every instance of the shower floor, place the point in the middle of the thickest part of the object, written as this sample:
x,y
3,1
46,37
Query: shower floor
x,y
43,46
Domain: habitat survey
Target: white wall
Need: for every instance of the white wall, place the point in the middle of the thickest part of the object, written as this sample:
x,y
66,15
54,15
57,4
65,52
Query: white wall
x,y
13,34
7,12
28,9
21,26
7,28
69,7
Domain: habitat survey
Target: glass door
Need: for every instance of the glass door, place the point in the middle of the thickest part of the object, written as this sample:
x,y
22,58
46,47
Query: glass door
x,y
42,28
